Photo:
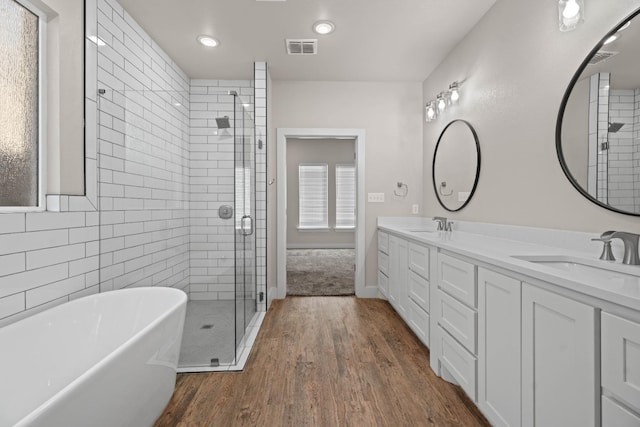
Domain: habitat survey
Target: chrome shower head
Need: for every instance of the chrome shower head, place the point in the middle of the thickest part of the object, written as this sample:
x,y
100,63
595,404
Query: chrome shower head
x,y
223,122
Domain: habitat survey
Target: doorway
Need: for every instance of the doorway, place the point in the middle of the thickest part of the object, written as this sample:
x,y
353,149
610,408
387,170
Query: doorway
x,y
321,217
354,137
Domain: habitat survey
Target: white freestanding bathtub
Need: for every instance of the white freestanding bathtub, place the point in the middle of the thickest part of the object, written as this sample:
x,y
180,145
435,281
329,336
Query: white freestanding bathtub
x,y
104,360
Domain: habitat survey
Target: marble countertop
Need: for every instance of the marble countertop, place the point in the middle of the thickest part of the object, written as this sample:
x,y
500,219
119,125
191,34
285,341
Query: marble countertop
x,y
502,252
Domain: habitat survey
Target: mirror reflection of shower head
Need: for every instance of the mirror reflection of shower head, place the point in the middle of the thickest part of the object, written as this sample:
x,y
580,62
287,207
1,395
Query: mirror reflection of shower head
x,y
223,122
614,127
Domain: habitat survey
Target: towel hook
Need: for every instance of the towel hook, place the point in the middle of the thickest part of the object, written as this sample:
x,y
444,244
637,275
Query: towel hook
x,y
404,189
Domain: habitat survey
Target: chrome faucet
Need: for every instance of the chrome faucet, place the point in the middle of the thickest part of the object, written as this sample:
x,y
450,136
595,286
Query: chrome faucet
x,y
442,223
630,241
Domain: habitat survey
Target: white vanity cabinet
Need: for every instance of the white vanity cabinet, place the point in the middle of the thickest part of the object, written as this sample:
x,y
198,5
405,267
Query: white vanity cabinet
x,y
456,315
404,279
499,355
559,383
419,291
383,263
398,274
620,356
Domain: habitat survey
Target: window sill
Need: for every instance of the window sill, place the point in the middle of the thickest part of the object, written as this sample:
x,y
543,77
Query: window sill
x,y
313,229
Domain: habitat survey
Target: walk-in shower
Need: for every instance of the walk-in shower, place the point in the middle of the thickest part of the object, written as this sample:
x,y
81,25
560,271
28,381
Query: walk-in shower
x,y
177,207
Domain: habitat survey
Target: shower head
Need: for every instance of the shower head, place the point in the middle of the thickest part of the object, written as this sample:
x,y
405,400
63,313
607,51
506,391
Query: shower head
x,y
614,127
223,122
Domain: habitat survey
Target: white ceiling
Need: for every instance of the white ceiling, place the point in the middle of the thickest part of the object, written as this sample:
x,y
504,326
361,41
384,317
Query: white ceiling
x,y
374,40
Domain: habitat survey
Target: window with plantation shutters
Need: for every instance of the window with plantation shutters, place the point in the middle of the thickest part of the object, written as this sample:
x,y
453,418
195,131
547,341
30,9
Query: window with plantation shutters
x,y
345,196
313,195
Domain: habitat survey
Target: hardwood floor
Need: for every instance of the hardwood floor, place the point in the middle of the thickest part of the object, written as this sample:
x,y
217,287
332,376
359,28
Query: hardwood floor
x,y
325,361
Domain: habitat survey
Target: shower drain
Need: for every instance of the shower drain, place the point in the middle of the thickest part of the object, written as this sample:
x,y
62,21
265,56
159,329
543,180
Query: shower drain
x,y
207,326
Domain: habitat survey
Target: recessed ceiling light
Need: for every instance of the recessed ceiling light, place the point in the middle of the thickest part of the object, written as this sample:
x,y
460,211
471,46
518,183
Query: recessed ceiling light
x,y
324,27
611,39
208,41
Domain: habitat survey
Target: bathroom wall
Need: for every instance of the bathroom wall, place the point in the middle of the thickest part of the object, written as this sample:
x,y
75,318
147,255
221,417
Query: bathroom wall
x,y
212,171
143,158
515,66
391,115
331,152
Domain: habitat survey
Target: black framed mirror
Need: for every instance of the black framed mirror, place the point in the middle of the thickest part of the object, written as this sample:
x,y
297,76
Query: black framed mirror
x,y
456,165
598,126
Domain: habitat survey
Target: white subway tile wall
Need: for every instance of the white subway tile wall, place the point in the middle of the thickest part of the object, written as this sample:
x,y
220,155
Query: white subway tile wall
x,y
149,139
212,174
622,172
143,161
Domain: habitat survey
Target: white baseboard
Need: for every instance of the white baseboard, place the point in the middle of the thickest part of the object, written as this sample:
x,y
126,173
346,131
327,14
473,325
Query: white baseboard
x,y
321,246
369,292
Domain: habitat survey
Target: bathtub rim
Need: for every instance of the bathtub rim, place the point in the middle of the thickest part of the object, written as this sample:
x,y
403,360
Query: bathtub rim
x,y
180,303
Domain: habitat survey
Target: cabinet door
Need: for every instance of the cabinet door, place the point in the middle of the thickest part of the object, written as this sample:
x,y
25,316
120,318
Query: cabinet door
x,y
499,348
558,361
621,359
403,278
393,270
398,275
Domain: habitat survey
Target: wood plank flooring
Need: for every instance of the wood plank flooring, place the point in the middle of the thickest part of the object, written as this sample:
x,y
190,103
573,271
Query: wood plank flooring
x,y
325,361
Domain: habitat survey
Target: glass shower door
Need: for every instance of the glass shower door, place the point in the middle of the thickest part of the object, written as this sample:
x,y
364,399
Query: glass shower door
x,y
245,240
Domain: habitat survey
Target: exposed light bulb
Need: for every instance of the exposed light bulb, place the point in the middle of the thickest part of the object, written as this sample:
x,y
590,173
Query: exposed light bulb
x,y
571,14
571,10
442,105
431,112
454,93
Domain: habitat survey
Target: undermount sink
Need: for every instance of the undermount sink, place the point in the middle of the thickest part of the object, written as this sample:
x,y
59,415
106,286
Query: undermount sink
x,y
609,273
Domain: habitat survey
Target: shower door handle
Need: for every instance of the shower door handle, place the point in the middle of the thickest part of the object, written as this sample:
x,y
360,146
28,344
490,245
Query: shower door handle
x,y
243,228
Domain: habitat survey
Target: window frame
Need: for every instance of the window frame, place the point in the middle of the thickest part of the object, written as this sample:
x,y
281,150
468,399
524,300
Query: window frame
x,y
324,227
42,112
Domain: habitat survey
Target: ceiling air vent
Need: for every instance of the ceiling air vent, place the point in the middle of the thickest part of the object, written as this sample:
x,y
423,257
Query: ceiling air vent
x,y
600,56
302,46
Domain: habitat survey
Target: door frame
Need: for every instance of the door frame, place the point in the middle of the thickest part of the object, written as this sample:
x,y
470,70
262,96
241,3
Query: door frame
x,y
358,135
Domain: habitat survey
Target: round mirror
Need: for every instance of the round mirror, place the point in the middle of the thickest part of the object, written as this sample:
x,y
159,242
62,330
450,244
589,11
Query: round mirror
x,y
456,165
598,128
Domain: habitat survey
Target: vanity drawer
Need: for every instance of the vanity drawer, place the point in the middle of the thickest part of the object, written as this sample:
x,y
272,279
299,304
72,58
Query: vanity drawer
x,y
461,364
383,284
458,279
457,319
419,290
419,259
383,263
614,415
419,321
383,242
621,359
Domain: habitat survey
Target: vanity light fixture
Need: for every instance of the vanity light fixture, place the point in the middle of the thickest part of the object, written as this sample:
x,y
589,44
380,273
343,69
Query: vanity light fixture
x,y
454,93
324,27
570,14
441,101
437,106
431,111
208,41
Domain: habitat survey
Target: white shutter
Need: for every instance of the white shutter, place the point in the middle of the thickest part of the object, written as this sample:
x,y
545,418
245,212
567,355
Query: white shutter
x,y
345,196
313,195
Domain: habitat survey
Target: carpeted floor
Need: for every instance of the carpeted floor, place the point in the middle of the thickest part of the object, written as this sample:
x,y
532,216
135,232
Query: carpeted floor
x,y
317,272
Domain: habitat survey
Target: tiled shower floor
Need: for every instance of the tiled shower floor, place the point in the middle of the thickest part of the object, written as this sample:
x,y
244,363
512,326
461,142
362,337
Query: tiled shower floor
x,y
209,334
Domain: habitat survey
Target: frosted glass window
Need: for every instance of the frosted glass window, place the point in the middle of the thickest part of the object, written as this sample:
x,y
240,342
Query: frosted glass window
x,y
313,193
345,196
18,105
